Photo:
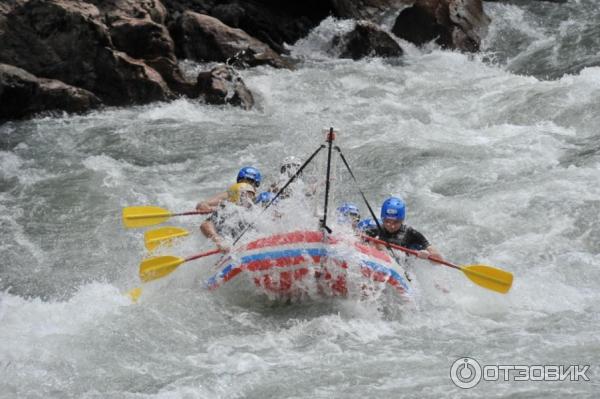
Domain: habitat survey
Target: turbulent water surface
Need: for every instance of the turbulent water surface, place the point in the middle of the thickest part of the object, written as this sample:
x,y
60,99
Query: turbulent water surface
x,y
497,156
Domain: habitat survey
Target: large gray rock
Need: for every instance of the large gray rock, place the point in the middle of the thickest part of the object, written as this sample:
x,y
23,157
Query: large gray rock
x,y
67,40
22,94
204,38
222,85
366,40
455,24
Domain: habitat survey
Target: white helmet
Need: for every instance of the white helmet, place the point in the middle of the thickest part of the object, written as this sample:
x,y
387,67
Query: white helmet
x,y
290,165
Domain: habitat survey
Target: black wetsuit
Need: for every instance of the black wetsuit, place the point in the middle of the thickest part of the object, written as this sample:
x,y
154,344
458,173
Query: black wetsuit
x,y
406,236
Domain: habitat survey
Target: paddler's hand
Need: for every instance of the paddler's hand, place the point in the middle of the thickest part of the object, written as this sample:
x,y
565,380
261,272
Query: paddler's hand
x,y
423,254
204,208
224,247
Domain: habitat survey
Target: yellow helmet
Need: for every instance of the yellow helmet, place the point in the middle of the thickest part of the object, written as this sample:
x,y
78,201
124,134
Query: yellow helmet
x,y
235,192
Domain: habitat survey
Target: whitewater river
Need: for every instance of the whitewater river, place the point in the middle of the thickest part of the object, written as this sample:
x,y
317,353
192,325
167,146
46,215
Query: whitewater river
x,y
497,156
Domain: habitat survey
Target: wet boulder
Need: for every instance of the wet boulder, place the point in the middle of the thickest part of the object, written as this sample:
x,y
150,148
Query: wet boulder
x,y
115,10
203,38
273,22
122,80
366,40
142,38
67,40
53,39
23,94
454,24
137,28
223,85
173,76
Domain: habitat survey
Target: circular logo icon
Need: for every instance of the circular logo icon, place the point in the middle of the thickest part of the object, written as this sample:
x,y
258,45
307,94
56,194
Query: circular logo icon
x,y
465,372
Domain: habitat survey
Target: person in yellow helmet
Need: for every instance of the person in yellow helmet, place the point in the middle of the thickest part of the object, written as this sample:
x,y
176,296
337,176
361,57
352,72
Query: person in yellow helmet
x,y
220,224
247,174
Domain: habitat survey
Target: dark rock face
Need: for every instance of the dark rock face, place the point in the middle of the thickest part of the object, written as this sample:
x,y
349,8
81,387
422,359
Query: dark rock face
x,y
137,28
115,10
142,38
22,95
222,85
54,39
65,40
204,38
367,40
471,21
125,51
273,22
172,75
122,80
455,24
366,9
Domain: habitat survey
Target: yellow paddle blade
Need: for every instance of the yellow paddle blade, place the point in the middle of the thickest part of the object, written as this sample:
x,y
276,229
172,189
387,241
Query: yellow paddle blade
x,y
489,277
135,294
164,235
159,266
142,216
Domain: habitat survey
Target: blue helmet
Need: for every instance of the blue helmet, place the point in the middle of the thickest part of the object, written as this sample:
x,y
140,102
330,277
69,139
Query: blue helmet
x,y
264,198
250,173
367,224
347,210
393,208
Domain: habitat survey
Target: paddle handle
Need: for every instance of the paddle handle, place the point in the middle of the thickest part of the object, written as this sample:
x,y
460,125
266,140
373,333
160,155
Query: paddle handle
x,y
201,255
412,252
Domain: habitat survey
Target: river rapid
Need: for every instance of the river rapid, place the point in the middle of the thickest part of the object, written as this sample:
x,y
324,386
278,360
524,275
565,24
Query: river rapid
x,y
497,156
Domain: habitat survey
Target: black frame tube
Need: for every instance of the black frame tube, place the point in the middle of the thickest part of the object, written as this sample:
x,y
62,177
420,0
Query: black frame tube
x,y
330,138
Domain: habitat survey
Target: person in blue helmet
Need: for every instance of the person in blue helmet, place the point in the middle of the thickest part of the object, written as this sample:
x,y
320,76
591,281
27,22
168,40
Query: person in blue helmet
x,y
247,174
367,224
393,212
265,198
349,213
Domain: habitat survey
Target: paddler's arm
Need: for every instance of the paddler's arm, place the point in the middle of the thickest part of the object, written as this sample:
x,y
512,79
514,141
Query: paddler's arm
x,y
429,251
211,204
374,233
417,239
208,229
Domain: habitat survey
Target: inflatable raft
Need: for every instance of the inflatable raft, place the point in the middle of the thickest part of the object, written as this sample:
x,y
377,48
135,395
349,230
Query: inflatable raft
x,y
303,264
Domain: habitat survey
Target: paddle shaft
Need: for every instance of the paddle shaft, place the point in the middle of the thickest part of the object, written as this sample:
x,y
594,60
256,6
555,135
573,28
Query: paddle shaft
x,y
161,266
412,252
167,215
190,213
201,255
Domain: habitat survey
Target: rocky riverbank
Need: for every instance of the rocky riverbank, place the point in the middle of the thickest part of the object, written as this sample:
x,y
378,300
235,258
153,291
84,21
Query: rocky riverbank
x,y
71,55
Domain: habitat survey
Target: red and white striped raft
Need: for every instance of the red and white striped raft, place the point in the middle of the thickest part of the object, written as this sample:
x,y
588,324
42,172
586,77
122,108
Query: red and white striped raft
x,y
305,263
